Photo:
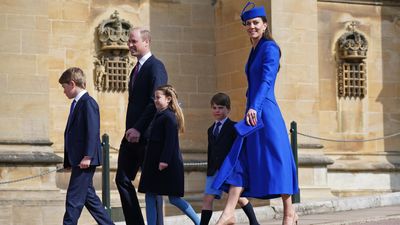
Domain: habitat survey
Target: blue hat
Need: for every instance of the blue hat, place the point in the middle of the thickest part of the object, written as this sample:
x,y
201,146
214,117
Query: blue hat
x,y
253,12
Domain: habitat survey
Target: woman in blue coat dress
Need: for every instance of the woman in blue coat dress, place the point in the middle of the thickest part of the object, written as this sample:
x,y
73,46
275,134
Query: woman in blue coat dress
x,y
261,164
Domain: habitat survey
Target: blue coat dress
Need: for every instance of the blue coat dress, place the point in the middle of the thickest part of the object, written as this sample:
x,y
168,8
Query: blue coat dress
x,y
262,163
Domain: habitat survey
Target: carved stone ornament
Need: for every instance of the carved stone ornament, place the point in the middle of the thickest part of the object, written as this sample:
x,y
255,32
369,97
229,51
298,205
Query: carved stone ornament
x,y
352,45
113,64
352,73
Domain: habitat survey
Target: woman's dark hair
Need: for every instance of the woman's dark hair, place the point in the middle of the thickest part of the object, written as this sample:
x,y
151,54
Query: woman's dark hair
x,y
267,34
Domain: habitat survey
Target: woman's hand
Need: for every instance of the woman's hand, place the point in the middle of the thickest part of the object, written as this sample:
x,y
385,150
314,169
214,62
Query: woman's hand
x,y
162,166
251,117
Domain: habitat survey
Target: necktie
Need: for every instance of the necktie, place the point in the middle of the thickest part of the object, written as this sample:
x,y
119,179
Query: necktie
x,y
72,107
216,129
71,110
135,72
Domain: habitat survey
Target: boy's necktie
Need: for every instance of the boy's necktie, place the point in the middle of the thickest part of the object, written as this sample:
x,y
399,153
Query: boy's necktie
x,y
216,130
71,110
72,107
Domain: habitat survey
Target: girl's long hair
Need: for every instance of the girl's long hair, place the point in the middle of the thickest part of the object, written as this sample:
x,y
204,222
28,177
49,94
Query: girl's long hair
x,y
169,91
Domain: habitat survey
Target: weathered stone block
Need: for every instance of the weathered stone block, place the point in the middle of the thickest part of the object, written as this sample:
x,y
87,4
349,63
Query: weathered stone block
x,y
158,14
35,42
3,21
173,47
21,22
167,33
179,14
197,64
24,7
10,41
203,48
73,28
198,33
55,9
227,45
10,63
75,11
185,83
27,84
202,14
198,101
42,23
57,59
207,84
307,91
224,82
172,63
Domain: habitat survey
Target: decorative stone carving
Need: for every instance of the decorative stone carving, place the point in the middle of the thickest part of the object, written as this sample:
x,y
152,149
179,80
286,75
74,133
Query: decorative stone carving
x,y
352,50
113,64
352,45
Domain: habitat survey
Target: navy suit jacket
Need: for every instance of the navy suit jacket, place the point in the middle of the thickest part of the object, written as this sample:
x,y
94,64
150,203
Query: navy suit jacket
x,y
82,134
219,148
141,108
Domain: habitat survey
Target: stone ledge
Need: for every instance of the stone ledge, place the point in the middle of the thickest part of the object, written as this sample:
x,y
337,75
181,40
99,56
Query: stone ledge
x,y
365,2
310,146
18,158
362,166
34,142
195,165
313,160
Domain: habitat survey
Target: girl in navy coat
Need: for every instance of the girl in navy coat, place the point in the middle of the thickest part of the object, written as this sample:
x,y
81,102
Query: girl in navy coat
x,y
162,170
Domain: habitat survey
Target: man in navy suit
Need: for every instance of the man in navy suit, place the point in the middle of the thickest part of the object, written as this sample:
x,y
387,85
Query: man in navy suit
x,y
148,74
82,150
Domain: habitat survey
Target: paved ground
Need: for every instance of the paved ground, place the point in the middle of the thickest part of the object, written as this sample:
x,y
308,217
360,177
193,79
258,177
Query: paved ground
x,y
373,216
381,209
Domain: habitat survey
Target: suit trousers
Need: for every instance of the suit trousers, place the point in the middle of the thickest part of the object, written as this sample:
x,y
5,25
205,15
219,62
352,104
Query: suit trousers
x,y
130,159
81,193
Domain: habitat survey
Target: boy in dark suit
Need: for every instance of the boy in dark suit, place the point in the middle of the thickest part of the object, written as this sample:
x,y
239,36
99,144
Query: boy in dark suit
x,y
221,136
82,149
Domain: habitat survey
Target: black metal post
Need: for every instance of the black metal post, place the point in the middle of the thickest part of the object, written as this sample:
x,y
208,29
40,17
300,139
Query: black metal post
x,y
106,173
293,142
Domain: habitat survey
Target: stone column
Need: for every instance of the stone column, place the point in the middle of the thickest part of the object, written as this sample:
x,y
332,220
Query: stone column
x,y
25,147
24,104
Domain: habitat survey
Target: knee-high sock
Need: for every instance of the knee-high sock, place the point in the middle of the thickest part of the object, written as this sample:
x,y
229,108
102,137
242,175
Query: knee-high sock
x,y
205,217
248,209
185,207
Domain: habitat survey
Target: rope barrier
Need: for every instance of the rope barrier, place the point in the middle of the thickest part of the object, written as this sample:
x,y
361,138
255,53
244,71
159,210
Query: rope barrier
x,y
337,140
31,177
114,148
195,163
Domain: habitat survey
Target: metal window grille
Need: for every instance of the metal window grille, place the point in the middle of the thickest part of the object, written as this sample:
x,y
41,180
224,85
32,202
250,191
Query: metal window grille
x,y
352,80
117,75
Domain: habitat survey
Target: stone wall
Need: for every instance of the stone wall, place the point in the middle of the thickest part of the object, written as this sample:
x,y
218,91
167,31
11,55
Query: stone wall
x,y
183,38
376,115
73,42
24,104
294,27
